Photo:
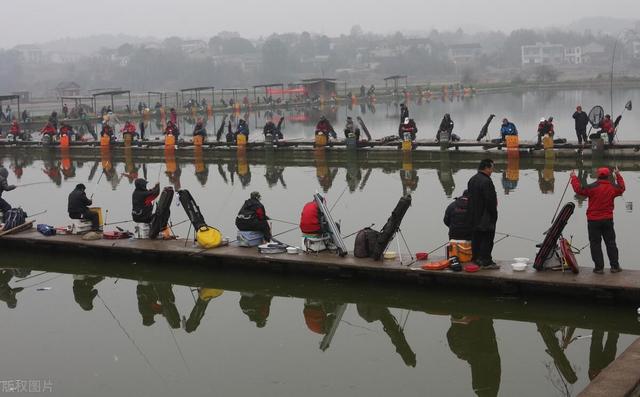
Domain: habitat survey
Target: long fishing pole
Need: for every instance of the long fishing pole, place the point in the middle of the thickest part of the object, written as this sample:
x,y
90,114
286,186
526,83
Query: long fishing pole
x,y
33,184
339,197
561,198
281,221
97,183
37,213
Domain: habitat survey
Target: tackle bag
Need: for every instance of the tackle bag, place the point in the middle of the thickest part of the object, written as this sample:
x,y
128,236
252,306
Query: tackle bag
x,y
391,227
14,218
163,211
365,243
46,230
208,237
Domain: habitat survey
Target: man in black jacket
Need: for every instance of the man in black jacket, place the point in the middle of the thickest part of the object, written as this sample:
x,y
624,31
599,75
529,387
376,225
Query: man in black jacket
x,y
253,217
483,214
582,120
78,207
4,187
142,201
456,217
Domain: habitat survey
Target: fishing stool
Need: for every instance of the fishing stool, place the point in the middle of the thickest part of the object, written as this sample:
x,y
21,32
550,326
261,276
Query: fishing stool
x,y
141,230
315,242
249,238
80,226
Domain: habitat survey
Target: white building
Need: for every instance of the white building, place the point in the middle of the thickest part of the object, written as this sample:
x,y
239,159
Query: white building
x,y
573,55
542,54
30,53
636,49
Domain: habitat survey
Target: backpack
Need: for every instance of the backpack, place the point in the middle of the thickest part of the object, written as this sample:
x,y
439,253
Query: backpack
x,y
14,218
46,230
365,243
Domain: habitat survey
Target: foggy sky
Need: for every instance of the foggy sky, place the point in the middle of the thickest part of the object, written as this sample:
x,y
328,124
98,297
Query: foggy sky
x,y
30,21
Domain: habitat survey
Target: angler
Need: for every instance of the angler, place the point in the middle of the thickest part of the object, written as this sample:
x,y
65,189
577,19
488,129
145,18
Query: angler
x,y
142,201
252,217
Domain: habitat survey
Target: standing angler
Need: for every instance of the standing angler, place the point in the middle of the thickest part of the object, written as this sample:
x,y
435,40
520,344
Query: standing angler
x,y
601,195
582,120
483,206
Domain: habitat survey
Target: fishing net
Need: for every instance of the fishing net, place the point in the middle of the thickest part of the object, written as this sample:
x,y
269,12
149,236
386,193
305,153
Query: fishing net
x,y
596,114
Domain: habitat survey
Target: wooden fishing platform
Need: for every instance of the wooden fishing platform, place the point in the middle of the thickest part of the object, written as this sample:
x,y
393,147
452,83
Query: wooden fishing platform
x,y
622,287
530,148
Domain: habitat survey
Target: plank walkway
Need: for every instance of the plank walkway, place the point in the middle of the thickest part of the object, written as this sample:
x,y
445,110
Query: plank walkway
x,y
622,287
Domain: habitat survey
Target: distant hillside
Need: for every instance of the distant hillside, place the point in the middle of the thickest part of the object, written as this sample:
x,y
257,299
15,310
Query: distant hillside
x,y
604,25
90,44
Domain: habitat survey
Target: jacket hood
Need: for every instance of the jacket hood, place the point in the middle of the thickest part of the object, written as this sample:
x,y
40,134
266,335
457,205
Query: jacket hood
x,y
140,183
3,172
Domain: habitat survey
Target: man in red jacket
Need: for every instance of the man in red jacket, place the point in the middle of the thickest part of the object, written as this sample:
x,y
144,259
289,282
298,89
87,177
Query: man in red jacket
x,y
601,195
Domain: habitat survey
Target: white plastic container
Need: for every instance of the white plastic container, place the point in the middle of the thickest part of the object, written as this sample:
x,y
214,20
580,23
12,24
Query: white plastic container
x,y
519,266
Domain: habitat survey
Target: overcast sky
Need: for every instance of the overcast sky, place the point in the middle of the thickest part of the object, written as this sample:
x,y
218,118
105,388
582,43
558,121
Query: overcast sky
x,y
29,21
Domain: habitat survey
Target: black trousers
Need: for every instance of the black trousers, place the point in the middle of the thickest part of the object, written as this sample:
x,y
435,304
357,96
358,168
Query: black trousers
x,y
482,246
599,230
582,136
4,207
87,215
610,137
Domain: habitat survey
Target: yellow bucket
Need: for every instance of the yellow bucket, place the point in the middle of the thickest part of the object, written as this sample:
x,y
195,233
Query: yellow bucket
x,y
98,210
407,146
513,142
105,140
547,142
321,140
460,249
241,140
170,140
198,140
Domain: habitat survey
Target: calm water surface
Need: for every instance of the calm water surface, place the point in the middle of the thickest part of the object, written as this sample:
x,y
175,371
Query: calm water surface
x,y
103,327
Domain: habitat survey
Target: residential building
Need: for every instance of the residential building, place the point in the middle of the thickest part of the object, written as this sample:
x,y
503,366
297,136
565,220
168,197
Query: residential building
x,y
594,53
68,88
464,53
542,54
573,55
30,53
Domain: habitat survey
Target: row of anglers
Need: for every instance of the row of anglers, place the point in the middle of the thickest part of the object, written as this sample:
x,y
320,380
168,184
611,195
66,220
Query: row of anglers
x,y
471,218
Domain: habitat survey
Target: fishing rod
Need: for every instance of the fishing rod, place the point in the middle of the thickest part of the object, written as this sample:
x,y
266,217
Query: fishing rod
x,y
281,221
33,184
97,183
561,198
339,197
349,235
37,213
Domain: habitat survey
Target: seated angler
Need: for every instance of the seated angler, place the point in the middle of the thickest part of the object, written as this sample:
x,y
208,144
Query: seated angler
x,y
66,129
243,128
325,128
106,130
311,220
456,218
49,129
252,217
409,127
607,127
199,129
142,201
129,128
4,187
172,129
270,128
351,129
78,207
446,125
507,128
14,130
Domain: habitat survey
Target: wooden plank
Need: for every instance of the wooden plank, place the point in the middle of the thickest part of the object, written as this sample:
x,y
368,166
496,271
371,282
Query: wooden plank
x,y
18,229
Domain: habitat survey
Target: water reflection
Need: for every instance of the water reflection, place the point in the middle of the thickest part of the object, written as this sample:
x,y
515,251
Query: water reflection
x,y
325,308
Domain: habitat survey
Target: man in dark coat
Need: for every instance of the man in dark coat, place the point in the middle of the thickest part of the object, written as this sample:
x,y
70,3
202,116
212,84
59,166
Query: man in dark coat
x,y
142,201
582,121
78,207
456,217
4,187
253,217
483,214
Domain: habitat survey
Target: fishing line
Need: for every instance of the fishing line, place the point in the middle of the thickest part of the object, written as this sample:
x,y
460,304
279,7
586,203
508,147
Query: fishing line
x,y
179,349
37,213
35,275
33,184
45,281
518,237
117,223
285,222
146,359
